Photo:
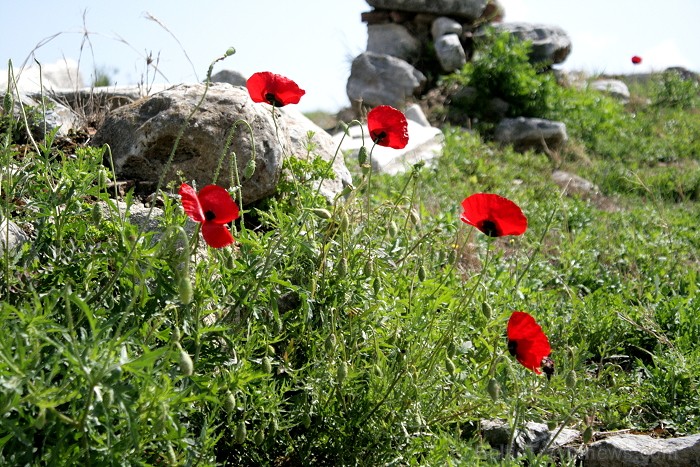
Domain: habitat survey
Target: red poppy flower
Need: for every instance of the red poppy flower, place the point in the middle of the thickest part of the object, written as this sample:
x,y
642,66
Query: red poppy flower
x,y
528,344
214,208
636,59
494,215
274,89
388,127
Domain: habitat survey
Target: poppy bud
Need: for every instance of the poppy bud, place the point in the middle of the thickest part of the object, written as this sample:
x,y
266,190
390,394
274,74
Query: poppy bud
x,y
376,285
184,286
587,434
421,273
267,365
362,156
415,218
270,350
107,397
451,349
96,214
273,427
393,229
330,343
230,51
347,189
186,363
342,372
249,169
449,365
343,267
241,432
377,371
368,269
229,402
571,379
344,222
486,310
322,213
344,127
551,425
175,335
494,389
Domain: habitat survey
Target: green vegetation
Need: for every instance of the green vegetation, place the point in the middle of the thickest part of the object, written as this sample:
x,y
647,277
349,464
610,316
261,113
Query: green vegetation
x,y
365,331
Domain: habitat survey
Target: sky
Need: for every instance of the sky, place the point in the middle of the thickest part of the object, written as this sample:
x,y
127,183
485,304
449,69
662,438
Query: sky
x,y
312,42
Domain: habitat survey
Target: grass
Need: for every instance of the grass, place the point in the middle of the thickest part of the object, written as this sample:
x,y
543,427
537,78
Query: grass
x,y
366,333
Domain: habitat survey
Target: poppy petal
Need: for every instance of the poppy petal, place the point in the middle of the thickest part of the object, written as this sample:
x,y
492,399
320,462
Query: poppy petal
x,y
190,203
636,59
388,127
217,205
216,235
493,215
274,89
527,341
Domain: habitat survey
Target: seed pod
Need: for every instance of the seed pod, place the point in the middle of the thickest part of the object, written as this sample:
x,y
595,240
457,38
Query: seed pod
x,y
587,434
267,365
330,343
241,432
362,155
494,389
186,363
259,437
421,273
96,214
571,379
449,365
249,169
229,402
486,310
184,286
321,213
342,372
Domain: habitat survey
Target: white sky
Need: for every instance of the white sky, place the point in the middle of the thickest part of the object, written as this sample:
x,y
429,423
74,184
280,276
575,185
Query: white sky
x,y
314,41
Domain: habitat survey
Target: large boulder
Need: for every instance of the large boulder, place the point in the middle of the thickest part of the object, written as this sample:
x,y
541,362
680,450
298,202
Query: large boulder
x,y
467,9
632,450
392,39
613,87
550,44
531,133
377,79
142,135
450,53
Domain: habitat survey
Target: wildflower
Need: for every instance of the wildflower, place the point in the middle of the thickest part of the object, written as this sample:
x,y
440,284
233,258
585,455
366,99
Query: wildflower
x,y
494,215
274,89
528,344
636,59
214,208
388,127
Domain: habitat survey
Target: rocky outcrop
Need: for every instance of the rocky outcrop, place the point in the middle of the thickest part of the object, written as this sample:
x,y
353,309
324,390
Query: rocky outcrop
x,y
464,9
627,450
142,135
